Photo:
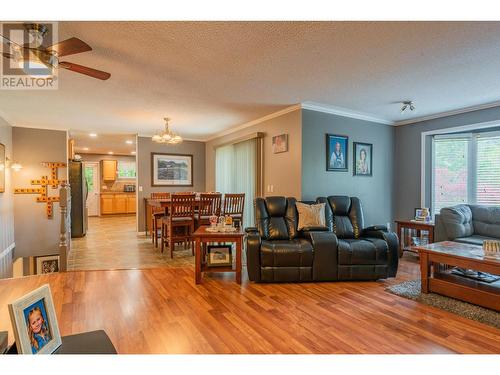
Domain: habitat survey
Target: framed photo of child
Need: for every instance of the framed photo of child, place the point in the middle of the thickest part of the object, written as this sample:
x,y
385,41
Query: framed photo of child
x,y
336,152
34,322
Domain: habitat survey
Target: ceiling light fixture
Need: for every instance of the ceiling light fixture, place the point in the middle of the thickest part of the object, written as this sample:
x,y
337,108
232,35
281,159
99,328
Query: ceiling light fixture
x,y
407,104
85,149
167,136
110,152
93,134
129,142
132,152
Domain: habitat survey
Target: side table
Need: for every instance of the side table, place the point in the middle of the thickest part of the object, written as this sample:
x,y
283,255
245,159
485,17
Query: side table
x,y
202,236
405,239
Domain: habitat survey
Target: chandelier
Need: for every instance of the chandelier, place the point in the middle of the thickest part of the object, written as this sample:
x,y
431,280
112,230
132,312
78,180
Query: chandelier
x,y
167,136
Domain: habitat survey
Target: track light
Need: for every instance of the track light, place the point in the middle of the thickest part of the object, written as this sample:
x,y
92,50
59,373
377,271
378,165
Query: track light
x,y
407,104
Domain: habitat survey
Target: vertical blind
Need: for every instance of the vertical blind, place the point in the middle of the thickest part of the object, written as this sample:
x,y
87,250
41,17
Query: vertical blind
x,y
466,169
235,172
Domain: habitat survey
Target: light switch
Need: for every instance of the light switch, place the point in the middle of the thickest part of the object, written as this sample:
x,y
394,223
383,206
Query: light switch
x,y
140,188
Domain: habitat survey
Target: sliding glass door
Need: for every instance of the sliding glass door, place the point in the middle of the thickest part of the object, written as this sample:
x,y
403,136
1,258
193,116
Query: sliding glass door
x,y
236,172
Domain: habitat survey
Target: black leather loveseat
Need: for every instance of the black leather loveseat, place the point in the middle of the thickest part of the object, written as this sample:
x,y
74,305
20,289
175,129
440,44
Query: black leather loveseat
x,y
344,250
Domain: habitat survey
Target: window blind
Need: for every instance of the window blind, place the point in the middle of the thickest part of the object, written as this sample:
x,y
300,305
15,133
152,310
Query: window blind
x,y
450,172
488,170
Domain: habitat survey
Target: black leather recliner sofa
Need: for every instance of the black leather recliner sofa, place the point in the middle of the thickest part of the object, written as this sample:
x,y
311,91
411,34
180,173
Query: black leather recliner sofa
x,y
344,250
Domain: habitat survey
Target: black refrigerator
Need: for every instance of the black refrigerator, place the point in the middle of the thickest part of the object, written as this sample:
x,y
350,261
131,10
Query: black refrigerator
x,y
78,184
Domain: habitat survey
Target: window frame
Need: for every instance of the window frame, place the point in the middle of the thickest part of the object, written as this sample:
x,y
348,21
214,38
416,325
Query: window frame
x,y
472,165
118,169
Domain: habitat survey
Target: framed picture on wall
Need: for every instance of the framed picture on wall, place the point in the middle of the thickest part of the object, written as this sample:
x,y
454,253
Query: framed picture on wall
x,y
2,168
336,153
363,159
47,264
171,169
280,143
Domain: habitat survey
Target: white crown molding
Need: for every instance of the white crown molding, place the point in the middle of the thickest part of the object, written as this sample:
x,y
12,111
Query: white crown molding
x,y
448,113
255,122
334,110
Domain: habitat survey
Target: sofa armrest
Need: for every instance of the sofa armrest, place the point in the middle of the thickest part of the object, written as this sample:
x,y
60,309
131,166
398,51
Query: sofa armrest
x,y
325,260
253,241
392,243
439,229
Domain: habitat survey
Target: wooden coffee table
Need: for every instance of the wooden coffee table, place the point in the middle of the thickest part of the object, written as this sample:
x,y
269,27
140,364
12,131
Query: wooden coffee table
x,y
438,279
202,236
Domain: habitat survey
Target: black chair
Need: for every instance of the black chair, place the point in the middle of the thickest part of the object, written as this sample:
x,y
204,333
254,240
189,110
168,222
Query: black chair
x,y
343,250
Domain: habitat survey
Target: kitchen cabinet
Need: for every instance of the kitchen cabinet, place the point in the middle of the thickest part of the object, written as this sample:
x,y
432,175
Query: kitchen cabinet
x,y
131,203
117,203
107,204
109,170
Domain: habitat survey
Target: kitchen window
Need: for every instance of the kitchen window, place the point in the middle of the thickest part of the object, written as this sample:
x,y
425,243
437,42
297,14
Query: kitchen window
x,y
126,170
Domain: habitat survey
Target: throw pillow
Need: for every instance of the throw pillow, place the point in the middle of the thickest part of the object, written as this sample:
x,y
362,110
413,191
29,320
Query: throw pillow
x,y
311,215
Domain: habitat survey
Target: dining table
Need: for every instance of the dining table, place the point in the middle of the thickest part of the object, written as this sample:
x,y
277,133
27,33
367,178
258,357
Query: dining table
x,y
160,202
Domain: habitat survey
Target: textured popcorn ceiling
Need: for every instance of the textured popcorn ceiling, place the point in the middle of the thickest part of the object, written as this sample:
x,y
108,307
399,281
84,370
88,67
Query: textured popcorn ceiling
x,y
210,76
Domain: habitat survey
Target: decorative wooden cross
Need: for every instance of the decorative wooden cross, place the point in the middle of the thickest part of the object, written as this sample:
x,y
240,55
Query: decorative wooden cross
x,y
44,182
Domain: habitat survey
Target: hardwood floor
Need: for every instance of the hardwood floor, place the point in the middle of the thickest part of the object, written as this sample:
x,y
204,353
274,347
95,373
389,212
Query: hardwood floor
x,y
161,310
113,243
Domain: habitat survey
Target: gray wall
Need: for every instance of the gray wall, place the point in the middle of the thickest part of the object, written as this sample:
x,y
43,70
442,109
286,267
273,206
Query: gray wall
x,y
35,234
375,193
144,149
6,207
408,155
283,170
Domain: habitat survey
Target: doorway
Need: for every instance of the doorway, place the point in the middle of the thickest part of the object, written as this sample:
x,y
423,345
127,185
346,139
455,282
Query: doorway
x,y
92,176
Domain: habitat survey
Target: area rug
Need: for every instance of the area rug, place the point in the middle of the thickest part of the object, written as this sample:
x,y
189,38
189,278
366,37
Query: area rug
x,y
411,290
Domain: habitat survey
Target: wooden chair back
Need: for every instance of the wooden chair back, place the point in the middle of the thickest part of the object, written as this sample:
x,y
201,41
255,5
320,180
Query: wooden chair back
x,y
210,204
161,195
182,205
233,204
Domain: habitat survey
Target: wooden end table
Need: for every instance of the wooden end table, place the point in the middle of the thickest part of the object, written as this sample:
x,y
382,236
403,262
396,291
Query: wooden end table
x,y
202,236
441,280
408,226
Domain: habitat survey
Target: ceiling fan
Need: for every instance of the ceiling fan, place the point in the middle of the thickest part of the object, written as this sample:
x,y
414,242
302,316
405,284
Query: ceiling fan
x,y
48,57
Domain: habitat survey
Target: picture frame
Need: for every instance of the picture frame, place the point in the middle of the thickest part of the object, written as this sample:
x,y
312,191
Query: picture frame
x,y
219,256
422,214
171,169
362,159
34,322
280,143
46,264
3,166
337,153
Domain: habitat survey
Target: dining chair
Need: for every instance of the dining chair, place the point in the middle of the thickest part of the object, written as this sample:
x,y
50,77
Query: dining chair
x,y
208,205
178,225
157,214
233,206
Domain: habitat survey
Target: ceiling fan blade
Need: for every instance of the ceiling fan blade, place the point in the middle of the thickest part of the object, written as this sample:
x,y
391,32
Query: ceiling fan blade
x,y
84,70
69,46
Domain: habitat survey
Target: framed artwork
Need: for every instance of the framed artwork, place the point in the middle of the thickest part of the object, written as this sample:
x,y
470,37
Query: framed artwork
x,y
219,256
363,159
280,143
47,264
34,322
2,168
171,169
336,152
